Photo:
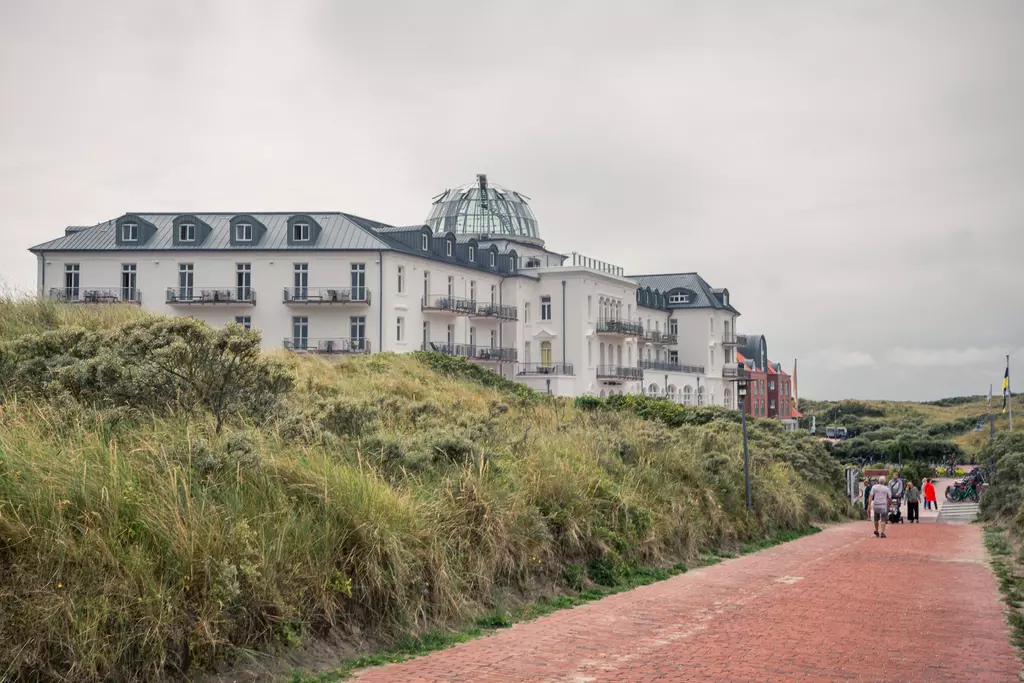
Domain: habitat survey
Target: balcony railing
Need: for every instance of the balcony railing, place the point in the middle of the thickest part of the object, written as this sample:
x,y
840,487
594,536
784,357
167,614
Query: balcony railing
x,y
308,296
729,339
328,346
488,310
655,337
450,304
735,371
545,369
111,295
619,326
484,354
620,372
224,296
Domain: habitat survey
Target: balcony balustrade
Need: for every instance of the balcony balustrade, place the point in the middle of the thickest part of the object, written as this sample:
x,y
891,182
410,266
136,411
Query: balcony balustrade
x,y
223,296
619,326
449,304
110,295
328,346
619,372
488,310
528,369
483,354
735,372
729,339
656,337
313,296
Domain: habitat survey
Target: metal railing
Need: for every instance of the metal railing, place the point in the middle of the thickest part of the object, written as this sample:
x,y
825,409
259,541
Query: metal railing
x,y
624,372
326,295
453,304
545,369
489,310
211,295
110,295
729,339
619,326
328,346
486,354
735,371
655,337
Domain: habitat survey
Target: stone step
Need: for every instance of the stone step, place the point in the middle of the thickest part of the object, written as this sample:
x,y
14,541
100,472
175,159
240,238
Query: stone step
x,y
958,513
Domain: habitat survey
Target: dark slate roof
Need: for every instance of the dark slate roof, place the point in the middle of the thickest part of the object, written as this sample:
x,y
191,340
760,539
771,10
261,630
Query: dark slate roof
x,y
339,231
703,293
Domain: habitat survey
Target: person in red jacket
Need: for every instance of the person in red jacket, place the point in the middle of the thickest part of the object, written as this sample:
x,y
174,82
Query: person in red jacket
x,y
929,495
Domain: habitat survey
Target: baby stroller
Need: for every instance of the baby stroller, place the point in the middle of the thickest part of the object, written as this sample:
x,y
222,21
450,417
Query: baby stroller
x,y
895,511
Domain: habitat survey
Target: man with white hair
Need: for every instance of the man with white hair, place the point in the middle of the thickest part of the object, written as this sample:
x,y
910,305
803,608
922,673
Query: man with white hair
x,y
880,497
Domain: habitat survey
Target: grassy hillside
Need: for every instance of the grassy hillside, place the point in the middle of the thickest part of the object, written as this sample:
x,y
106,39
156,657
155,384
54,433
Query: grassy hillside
x,y
168,499
931,431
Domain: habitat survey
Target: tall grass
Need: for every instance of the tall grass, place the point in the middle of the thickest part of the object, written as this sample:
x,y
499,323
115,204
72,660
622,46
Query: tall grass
x,y
389,498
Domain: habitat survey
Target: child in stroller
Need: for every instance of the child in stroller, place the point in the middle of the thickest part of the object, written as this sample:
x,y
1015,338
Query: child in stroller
x,y
895,515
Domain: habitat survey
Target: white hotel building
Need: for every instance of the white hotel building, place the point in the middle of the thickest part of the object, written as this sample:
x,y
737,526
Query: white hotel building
x,y
475,281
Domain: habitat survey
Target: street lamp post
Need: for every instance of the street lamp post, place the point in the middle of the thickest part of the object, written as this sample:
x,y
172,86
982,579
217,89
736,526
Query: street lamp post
x,y
741,390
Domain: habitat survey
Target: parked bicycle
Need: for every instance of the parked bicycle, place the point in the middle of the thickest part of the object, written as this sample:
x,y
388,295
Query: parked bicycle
x,y
969,488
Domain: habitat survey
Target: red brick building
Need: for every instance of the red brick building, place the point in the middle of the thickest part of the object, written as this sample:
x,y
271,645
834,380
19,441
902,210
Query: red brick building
x,y
770,392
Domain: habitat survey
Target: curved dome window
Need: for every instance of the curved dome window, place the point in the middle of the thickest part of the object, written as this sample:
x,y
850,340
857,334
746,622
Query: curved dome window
x,y
483,209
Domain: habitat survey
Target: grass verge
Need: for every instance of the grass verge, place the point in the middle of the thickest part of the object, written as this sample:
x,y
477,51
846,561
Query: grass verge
x,y
437,639
1010,573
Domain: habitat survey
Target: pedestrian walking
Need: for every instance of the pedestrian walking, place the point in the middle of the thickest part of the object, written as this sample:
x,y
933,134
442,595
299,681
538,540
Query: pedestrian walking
x,y
867,498
929,495
880,497
913,501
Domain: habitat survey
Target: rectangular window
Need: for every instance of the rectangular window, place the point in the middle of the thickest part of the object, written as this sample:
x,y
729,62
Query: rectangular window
x,y
545,308
187,232
244,320
472,290
590,352
401,279
673,326
129,274
590,307
71,281
492,259
300,281
129,232
526,352
472,252
426,284
426,333
426,242
186,275
771,404
451,336
448,247
300,232
494,339
400,329
300,333
526,311
678,298
494,294
359,282
243,281
451,285
472,336
545,354
673,357
357,332
243,232
771,385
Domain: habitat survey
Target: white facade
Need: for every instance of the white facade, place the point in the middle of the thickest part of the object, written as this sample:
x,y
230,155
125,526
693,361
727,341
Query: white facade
x,y
570,326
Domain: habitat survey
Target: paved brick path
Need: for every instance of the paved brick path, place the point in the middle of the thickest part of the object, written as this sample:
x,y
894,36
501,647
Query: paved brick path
x,y
783,614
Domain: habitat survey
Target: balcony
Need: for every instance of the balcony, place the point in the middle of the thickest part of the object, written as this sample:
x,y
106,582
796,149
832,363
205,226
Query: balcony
x,y
531,369
619,326
113,295
211,296
735,372
729,339
483,354
655,337
328,296
619,373
496,311
327,346
449,304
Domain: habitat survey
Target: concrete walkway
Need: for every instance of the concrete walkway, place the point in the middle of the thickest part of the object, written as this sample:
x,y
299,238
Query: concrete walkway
x,y
841,605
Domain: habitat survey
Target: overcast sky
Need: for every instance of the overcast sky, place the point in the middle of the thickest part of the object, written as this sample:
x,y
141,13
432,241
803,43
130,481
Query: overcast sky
x,y
853,171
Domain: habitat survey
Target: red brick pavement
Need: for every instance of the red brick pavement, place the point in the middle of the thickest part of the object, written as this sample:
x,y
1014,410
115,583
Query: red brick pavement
x,y
783,614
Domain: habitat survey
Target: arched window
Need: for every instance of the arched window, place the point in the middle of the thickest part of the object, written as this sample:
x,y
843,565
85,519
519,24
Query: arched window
x,y
728,398
545,354
687,395
602,354
700,396
602,393
652,390
670,392
618,359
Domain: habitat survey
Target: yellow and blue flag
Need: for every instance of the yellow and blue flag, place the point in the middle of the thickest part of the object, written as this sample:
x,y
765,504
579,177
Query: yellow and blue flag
x,y
1006,386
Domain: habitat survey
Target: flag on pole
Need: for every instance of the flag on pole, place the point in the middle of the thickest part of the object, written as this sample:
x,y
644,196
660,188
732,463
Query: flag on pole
x,y
1006,386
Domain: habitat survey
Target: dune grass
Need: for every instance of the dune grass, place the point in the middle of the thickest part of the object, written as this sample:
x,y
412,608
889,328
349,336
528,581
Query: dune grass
x,y
387,497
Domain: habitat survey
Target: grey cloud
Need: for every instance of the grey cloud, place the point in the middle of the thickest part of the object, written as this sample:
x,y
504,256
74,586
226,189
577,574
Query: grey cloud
x,y
850,170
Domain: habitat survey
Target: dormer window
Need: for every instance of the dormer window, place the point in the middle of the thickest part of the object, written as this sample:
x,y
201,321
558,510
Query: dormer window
x,y
187,232
243,232
129,232
679,298
448,247
300,232
725,298
426,242
492,259
472,252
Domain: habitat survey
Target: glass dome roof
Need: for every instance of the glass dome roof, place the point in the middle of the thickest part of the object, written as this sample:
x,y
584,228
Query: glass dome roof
x,y
481,208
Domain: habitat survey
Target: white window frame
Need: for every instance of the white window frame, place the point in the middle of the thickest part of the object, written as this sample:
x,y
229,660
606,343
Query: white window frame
x,y
243,232
401,279
244,320
472,252
426,242
545,308
300,232
129,232
492,259
400,329
679,298
448,247
186,232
